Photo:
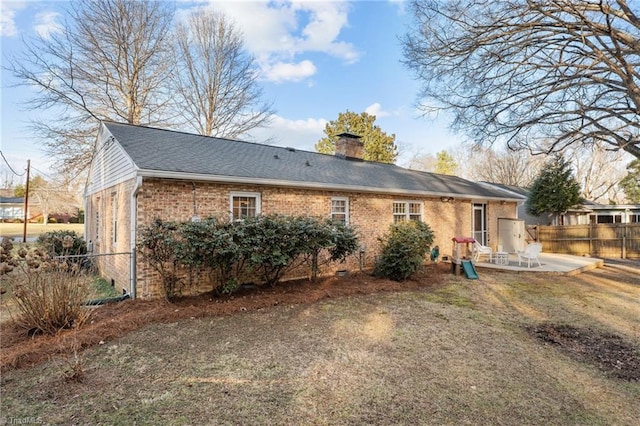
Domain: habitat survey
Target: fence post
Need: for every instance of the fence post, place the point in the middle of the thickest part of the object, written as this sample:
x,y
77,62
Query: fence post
x,y
624,242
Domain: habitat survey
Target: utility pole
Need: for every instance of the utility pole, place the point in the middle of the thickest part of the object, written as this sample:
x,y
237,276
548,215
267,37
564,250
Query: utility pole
x,y
26,204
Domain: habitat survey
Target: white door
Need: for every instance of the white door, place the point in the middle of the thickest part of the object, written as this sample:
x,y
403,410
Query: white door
x,y
511,234
480,223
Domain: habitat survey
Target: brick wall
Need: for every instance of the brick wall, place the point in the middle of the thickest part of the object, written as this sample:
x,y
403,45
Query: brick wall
x,y
107,236
370,214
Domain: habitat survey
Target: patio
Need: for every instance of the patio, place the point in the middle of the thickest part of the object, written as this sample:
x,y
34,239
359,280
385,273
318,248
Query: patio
x,y
552,263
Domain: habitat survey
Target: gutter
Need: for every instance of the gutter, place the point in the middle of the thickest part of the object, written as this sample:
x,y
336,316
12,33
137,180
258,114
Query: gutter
x,y
132,237
159,174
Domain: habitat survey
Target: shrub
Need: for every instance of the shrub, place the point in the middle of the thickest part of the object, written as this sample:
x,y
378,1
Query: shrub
x,y
276,241
404,250
325,241
217,245
62,243
159,244
49,294
265,245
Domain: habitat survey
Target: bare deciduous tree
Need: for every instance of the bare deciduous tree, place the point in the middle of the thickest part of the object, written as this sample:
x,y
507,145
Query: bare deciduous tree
x,y
57,195
7,179
216,90
507,167
598,171
108,62
529,71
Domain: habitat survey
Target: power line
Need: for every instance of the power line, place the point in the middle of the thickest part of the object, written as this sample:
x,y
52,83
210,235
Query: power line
x,y
42,173
9,165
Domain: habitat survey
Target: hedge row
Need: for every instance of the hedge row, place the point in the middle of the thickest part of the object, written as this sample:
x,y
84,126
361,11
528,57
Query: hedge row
x,y
265,246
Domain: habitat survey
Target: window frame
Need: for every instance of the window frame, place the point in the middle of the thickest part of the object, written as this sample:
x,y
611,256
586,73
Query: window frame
x,y
98,219
333,212
114,219
407,213
239,194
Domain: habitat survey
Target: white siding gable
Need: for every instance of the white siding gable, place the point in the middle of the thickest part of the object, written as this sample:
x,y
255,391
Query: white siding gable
x,y
110,165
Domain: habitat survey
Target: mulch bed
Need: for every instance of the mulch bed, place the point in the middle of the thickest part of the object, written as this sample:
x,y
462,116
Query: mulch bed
x,y
609,352
108,322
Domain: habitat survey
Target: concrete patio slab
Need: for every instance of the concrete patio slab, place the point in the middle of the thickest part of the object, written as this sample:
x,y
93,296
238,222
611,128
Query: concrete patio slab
x,y
552,263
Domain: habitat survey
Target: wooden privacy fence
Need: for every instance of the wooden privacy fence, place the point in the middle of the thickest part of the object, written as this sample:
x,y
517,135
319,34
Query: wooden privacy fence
x,y
616,240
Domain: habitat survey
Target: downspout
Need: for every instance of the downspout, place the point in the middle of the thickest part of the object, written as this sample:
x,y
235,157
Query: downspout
x,y
134,223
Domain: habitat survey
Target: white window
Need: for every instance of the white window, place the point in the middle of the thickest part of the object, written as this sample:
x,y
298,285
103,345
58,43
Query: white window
x,y
114,206
97,230
340,209
407,210
244,204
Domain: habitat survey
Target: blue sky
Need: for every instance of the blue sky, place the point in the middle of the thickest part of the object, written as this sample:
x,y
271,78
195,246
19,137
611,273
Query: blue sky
x,y
318,59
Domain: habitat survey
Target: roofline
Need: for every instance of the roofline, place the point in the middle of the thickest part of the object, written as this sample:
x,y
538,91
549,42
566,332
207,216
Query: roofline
x,y
615,206
500,188
161,174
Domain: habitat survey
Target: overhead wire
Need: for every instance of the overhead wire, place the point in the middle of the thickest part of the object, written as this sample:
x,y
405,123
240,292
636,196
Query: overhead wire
x,y
9,165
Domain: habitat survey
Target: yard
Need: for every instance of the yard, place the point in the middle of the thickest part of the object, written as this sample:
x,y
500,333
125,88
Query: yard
x,y
505,349
34,229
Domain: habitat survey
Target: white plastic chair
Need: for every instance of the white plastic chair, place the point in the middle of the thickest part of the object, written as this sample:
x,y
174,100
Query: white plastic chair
x,y
479,250
531,251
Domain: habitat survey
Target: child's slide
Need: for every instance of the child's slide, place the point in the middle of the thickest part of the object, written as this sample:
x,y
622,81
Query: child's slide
x,y
469,270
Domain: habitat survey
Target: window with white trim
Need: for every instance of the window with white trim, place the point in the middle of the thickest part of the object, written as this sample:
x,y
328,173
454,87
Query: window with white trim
x,y
407,211
114,220
340,209
98,207
244,204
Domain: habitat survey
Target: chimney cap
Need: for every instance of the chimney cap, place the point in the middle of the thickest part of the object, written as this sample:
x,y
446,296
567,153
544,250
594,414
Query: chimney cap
x,y
349,135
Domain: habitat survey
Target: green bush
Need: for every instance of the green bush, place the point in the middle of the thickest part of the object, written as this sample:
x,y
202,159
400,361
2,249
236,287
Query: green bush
x,y
62,243
276,241
216,245
325,241
266,246
404,250
159,244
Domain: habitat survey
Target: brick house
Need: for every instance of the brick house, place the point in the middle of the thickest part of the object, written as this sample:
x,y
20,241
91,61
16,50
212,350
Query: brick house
x,y
142,173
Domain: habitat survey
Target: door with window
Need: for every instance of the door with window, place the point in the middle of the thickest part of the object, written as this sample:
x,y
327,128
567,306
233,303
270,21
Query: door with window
x,y
480,223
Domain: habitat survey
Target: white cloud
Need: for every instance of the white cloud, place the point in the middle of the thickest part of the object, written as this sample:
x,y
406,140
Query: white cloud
x,y
326,20
278,31
376,109
8,11
289,72
300,134
46,24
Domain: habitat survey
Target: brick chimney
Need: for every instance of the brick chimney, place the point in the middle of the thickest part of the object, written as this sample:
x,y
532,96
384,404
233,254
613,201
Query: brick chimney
x,y
349,146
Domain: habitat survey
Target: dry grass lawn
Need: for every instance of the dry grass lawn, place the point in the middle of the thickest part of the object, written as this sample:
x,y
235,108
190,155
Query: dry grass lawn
x,y
457,352
35,229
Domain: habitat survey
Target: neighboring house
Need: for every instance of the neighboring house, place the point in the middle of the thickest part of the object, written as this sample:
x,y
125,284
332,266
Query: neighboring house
x,y
592,213
11,208
141,173
588,212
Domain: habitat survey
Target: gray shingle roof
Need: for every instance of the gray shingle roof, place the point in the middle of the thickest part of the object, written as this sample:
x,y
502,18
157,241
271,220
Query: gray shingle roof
x,y
183,153
11,200
523,192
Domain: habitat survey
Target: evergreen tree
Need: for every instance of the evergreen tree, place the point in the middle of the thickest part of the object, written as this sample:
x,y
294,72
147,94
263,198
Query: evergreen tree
x,y
630,184
445,164
554,190
378,146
